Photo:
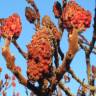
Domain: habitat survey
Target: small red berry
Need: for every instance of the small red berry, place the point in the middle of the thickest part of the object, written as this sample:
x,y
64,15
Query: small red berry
x,y
6,76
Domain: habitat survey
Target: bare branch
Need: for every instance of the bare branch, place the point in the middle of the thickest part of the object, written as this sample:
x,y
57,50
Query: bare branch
x,y
65,89
90,87
19,49
75,77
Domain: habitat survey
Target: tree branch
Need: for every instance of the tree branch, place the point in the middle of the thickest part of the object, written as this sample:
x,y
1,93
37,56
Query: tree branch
x,y
73,48
59,72
75,77
20,50
65,89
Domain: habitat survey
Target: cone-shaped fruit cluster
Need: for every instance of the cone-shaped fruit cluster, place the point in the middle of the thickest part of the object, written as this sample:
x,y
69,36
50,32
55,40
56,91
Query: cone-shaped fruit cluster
x,y
40,52
74,16
11,27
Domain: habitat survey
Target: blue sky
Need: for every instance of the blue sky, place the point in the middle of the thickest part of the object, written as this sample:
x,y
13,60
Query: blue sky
x,y
8,7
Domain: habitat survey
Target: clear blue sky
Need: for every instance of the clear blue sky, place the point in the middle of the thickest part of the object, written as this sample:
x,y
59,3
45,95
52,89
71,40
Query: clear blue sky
x,y
7,7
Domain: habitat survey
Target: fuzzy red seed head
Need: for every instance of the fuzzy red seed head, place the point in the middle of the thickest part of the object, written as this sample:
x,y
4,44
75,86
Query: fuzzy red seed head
x,y
11,26
74,16
40,51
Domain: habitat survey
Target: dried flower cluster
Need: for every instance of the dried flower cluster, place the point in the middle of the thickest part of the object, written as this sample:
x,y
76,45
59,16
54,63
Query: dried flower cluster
x,y
11,27
40,52
74,16
46,21
30,14
57,9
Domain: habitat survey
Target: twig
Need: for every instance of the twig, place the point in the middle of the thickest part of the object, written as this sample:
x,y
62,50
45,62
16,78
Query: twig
x,y
88,66
20,50
94,32
87,60
56,61
75,77
85,41
90,87
60,51
64,3
81,42
65,89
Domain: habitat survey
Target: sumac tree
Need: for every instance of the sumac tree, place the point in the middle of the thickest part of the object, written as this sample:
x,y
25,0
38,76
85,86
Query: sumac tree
x,y
44,51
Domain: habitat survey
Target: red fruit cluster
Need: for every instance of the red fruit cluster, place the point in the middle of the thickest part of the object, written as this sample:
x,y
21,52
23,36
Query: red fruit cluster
x,y
40,52
74,16
11,26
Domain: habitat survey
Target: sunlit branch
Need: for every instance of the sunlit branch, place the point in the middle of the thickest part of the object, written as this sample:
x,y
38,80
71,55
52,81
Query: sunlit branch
x,y
64,67
73,48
